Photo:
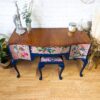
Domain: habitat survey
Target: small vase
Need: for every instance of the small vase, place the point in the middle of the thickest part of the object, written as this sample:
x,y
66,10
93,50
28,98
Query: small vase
x,y
28,27
86,24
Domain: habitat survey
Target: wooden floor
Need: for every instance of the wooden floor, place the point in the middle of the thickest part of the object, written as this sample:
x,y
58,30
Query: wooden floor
x,y
28,87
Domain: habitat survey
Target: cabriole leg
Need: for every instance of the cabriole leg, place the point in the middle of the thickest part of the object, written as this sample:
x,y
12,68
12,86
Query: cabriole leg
x,y
85,61
15,67
40,66
61,70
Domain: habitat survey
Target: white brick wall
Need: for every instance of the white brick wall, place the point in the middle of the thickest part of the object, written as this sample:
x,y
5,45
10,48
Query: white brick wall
x,y
47,13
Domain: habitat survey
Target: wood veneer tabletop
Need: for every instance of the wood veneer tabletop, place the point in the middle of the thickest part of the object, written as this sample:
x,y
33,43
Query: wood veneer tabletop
x,y
45,37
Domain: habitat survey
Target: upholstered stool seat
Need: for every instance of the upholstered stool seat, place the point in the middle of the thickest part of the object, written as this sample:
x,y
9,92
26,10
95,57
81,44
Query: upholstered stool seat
x,y
51,60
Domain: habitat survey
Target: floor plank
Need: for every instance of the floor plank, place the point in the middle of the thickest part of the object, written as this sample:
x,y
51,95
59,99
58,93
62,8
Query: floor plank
x,y
29,87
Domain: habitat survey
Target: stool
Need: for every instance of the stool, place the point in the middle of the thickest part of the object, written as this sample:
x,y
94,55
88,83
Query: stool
x,y
51,60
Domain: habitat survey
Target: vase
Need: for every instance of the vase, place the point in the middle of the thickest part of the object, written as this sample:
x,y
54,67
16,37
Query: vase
x,y
18,25
86,24
28,27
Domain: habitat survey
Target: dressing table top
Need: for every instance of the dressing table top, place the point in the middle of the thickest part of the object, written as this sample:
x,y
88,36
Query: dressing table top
x,y
48,37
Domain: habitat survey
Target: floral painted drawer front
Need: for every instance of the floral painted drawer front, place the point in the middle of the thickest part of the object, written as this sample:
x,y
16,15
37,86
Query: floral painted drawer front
x,y
14,51
24,52
51,59
20,52
49,50
79,51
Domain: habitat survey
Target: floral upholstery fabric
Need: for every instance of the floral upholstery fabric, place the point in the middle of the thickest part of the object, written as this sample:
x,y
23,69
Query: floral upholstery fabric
x,y
23,52
51,59
50,50
20,52
14,51
79,51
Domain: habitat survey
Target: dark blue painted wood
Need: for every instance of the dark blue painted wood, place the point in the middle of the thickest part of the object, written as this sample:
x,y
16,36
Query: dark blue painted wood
x,y
13,63
42,65
33,55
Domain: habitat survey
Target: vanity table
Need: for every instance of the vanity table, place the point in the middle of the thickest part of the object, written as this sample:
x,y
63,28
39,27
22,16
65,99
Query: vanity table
x,y
49,42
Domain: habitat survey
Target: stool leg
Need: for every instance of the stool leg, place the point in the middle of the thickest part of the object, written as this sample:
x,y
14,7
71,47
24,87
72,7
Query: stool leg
x,y
61,70
40,66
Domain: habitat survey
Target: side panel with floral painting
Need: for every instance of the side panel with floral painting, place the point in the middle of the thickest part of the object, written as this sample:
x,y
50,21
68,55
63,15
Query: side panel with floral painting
x,y
14,51
23,52
79,51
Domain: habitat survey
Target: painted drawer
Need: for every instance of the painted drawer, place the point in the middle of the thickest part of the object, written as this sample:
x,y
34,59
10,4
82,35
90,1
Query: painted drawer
x,y
49,50
20,52
79,51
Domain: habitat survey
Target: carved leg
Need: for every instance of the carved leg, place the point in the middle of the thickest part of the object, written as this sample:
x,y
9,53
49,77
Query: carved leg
x,y
18,74
40,66
85,61
67,56
15,67
61,70
40,71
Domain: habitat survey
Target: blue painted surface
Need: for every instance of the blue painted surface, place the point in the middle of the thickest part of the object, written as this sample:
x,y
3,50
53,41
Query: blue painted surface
x,y
42,64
